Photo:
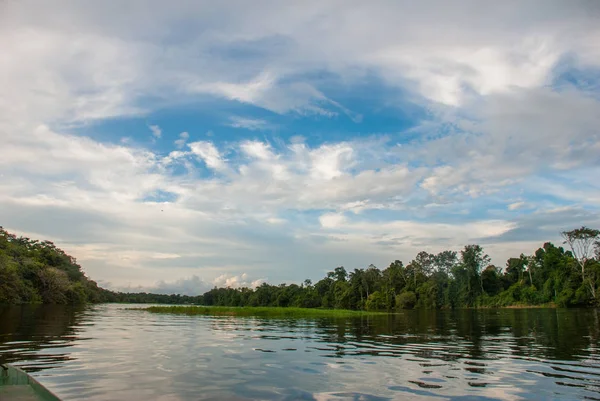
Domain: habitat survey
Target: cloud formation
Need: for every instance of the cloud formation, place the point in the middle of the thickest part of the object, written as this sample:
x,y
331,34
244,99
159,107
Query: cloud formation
x,y
503,147
156,131
252,124
193,285
183,137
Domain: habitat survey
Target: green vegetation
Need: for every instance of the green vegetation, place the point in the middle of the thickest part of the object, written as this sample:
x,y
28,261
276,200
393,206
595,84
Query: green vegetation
x,y
149,298
38,272
34,272
264,311
552,276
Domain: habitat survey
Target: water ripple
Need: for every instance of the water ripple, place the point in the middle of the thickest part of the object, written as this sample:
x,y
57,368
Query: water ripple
x,y
111,352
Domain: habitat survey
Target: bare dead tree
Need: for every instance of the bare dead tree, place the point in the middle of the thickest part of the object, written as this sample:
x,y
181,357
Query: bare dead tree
x,y
582,241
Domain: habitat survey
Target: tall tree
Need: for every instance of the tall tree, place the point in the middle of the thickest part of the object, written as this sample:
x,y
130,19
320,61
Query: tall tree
x,y
474,260
340,274
357,284
445,261
425,262
582,241
371,279
514,269
395,277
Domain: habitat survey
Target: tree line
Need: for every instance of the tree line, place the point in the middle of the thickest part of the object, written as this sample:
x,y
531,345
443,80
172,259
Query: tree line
x,y
449,279
38,272
33,271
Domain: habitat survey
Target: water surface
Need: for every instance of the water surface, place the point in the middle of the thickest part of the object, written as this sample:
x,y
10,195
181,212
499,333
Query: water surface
x,y
107,352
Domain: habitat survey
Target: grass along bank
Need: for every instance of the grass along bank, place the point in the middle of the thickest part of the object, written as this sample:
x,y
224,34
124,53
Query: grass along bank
x,y
260,311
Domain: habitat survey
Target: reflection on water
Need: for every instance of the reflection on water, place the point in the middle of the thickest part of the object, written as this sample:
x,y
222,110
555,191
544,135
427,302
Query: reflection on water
x,y
107,352
26,332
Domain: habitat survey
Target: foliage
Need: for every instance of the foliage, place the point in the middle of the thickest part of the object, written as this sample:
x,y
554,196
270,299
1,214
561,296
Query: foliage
x,y
150,298
406,300
376,301
32,271
582,242
38,272
256,311
446,280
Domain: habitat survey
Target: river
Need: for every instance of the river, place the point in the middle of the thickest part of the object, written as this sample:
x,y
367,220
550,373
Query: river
x,y
109,352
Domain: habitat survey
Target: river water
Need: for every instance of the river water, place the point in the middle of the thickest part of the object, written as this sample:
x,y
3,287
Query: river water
x,y
109,352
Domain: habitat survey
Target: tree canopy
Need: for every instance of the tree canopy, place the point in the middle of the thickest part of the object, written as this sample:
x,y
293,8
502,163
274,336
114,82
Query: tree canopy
x,y
33,271
449,279
582,242
38,272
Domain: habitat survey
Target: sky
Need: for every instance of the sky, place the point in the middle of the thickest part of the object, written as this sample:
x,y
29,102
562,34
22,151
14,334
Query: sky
x,y
174,146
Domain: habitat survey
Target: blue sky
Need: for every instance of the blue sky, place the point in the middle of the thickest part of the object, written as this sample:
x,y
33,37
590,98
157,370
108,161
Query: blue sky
x,y
176,146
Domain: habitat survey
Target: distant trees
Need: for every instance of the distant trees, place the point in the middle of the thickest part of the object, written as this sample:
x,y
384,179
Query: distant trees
x,y
448,279
32,272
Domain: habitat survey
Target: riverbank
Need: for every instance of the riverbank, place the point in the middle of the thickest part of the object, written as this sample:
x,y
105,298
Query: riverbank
x,y
550,305
262,311
293,312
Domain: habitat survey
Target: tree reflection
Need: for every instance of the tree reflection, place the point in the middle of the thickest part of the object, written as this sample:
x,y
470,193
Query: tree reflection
x,y
27,329
555,334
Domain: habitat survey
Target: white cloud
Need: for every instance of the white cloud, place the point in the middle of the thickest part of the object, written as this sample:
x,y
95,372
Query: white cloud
x,y
330,161
332,220
187,286
258,150
193,285
444,74
183,137
208,153
509,137
215,226
231,281
250,92
516,205
403,234
156,131
128,59
252,124
498,130
275,220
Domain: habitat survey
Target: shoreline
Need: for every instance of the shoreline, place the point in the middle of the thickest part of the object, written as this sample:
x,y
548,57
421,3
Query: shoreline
x,y
259,311
268,311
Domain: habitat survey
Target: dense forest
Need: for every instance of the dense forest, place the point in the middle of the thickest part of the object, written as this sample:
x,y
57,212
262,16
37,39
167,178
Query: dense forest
x,y
552,275
34,272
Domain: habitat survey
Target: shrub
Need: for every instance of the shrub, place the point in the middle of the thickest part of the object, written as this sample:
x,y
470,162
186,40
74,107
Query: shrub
x,y
376,301
565,298
406,300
